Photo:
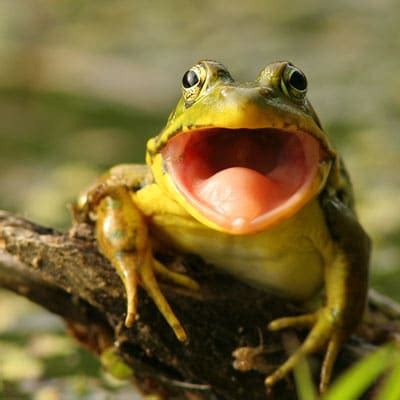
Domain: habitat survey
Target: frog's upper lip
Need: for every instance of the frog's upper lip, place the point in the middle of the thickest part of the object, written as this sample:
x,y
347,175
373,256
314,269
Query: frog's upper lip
x,y
244,180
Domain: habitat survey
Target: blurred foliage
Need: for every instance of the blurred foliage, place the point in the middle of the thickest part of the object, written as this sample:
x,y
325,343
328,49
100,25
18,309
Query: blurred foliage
x,y
357,382
361,376
83,85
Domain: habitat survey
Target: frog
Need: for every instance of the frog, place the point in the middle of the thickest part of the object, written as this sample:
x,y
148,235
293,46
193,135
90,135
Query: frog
x,y
244,176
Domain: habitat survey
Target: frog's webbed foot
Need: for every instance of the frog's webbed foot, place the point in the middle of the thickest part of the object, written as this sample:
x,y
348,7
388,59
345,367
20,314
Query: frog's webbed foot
x,y
325,329
122,236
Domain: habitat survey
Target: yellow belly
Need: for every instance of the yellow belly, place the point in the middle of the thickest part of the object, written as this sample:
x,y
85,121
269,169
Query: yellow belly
x,y
288,258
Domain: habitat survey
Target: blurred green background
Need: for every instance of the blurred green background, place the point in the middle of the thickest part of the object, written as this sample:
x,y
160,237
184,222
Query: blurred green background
x,y
84,84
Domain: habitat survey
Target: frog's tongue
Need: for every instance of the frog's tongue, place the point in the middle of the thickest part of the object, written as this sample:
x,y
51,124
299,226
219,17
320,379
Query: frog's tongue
x,y
240,193
238,177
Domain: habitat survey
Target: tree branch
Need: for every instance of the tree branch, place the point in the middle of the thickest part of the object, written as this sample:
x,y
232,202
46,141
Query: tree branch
x,y
65,274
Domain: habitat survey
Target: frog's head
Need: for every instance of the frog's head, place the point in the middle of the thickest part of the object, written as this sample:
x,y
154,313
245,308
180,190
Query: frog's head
x,y
241,157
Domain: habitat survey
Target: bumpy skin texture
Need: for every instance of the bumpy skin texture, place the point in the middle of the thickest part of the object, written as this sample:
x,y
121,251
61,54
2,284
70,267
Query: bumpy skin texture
x,y
312,240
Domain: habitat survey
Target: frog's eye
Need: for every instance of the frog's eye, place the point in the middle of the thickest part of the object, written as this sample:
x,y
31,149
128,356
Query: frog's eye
x,y
192,82
294,82
190,79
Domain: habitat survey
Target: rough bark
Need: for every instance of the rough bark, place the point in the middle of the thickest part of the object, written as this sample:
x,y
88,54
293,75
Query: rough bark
x,y
64,273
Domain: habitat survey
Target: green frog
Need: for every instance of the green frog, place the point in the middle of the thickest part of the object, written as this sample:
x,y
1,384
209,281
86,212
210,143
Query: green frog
x,y
244,176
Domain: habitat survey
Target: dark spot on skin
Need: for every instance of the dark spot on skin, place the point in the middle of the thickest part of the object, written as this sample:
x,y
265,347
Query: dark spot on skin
x,y
164,168
151,153
340,195
138,186
224,75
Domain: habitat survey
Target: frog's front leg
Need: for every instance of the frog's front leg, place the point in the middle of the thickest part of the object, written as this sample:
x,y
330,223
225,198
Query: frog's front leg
x,y
346,285
123,237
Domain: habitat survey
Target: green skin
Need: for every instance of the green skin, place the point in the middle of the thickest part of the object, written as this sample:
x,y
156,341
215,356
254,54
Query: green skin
x,y
138,208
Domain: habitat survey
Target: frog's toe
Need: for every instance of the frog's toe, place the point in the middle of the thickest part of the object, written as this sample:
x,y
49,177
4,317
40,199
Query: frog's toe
x,y
175,277
126,265
135,269
131,283
324,331
150,284
334,345
302,321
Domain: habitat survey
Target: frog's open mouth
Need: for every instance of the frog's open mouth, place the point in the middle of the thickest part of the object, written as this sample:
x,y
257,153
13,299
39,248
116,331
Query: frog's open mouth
x,y
243,180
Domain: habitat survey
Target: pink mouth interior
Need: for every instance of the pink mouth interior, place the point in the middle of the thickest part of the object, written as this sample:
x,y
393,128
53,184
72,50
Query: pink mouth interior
x,y
238,177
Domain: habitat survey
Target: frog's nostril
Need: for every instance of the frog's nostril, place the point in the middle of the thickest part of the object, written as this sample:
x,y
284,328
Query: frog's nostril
x,y
265,91
225,92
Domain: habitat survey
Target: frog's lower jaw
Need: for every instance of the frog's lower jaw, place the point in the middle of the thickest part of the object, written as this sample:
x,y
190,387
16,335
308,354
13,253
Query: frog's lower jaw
x,y
245,180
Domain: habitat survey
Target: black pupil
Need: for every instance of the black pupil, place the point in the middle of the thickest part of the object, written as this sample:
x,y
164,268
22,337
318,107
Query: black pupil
x,y
298,80
189,79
